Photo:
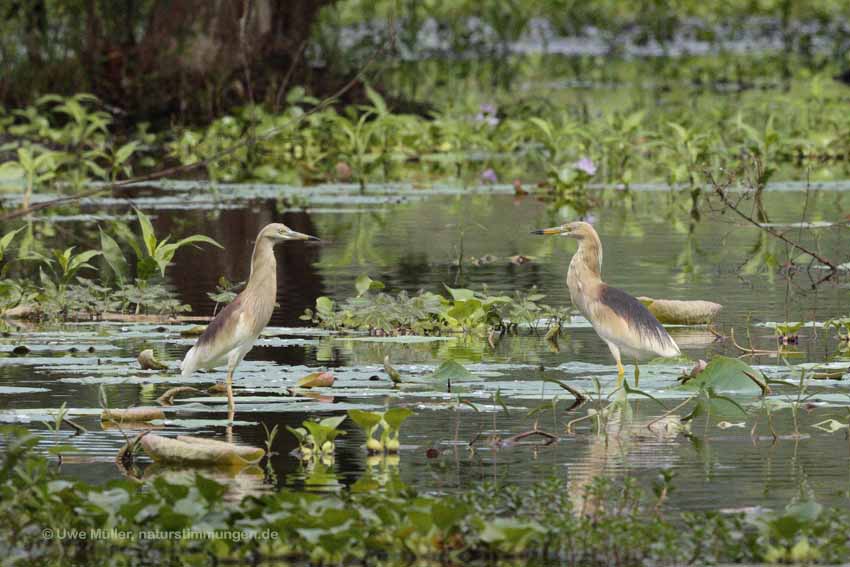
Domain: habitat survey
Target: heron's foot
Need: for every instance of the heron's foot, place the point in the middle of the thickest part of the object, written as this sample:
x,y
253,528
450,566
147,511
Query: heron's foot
x,y
621,372
637,375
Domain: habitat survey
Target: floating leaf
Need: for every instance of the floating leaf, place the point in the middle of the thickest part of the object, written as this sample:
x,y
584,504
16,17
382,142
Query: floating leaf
x,y
132,414
186,450
148,361
675,312
195,331
316,380
168,397
724,374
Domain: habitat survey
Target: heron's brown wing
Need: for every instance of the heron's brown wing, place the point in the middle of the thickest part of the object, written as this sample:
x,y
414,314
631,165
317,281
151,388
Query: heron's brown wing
x,y
222,323
629,323
232,328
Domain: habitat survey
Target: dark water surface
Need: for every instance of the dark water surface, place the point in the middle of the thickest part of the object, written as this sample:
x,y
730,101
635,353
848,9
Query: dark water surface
x,y
652,246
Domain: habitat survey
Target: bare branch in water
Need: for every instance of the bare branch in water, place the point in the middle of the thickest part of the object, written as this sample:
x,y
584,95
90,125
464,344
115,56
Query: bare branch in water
x,y
721,187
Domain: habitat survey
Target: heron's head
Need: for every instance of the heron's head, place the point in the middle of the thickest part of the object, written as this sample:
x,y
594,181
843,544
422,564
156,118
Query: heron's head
x,y
578,230
278,232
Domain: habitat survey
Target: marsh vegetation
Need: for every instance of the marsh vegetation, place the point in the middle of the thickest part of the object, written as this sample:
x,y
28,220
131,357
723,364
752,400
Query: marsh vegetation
x,y
426,390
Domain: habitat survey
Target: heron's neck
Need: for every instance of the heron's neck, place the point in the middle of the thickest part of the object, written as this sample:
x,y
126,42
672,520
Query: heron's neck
x,y
584,277
263,268
587,261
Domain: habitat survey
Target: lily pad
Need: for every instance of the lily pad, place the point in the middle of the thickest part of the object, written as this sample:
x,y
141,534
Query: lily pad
x,y
675,312
20,390
186,450
132,415
724,374
317,380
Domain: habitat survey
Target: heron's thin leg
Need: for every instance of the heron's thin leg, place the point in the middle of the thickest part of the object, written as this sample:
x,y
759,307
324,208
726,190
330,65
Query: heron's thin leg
x,y
231,404
637,374
615,352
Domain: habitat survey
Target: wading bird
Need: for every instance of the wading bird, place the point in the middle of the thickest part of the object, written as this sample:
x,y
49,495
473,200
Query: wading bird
x,y
233,332
619,319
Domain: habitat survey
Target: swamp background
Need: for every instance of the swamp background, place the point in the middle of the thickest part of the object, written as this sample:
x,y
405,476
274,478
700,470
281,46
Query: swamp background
x,y
707,142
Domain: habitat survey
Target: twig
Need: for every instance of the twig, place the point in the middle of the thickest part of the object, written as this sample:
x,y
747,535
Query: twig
x,y
513,439
76,426
717,335
750,350
720,189
286,78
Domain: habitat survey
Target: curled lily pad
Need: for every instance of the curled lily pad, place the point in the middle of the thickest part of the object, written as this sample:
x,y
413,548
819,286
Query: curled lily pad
x,y
148,361
131,415
167,398
195,331
317,380
675,312
187,450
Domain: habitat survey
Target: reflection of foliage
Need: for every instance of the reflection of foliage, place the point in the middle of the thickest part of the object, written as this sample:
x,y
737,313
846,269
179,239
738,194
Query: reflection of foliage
x,y
361,234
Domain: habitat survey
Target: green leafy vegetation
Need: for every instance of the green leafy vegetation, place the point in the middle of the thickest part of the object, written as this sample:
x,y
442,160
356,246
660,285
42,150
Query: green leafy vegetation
x,y
602,523
54,284
428,313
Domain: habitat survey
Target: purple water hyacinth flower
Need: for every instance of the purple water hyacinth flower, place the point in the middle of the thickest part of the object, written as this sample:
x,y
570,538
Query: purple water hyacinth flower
x,y
586,165
489,176
590,219
487,114
487,108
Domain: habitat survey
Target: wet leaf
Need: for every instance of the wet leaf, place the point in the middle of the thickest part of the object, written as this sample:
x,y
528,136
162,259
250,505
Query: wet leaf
x,y
186,450
364,283
316,380
114,257
365,419
139,414
675,312
396,416
148,361
452,371
724,374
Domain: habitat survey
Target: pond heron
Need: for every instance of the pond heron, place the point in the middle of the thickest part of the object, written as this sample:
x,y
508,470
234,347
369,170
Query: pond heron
x,y
233,332
623,322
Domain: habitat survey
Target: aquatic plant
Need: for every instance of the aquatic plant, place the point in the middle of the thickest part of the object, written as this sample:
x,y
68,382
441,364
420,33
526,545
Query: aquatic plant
x,y
389,422
316,438
428,313
547,521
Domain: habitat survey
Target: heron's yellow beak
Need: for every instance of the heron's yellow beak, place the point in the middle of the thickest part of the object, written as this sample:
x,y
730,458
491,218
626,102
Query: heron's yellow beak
x,y
555,230
292,235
